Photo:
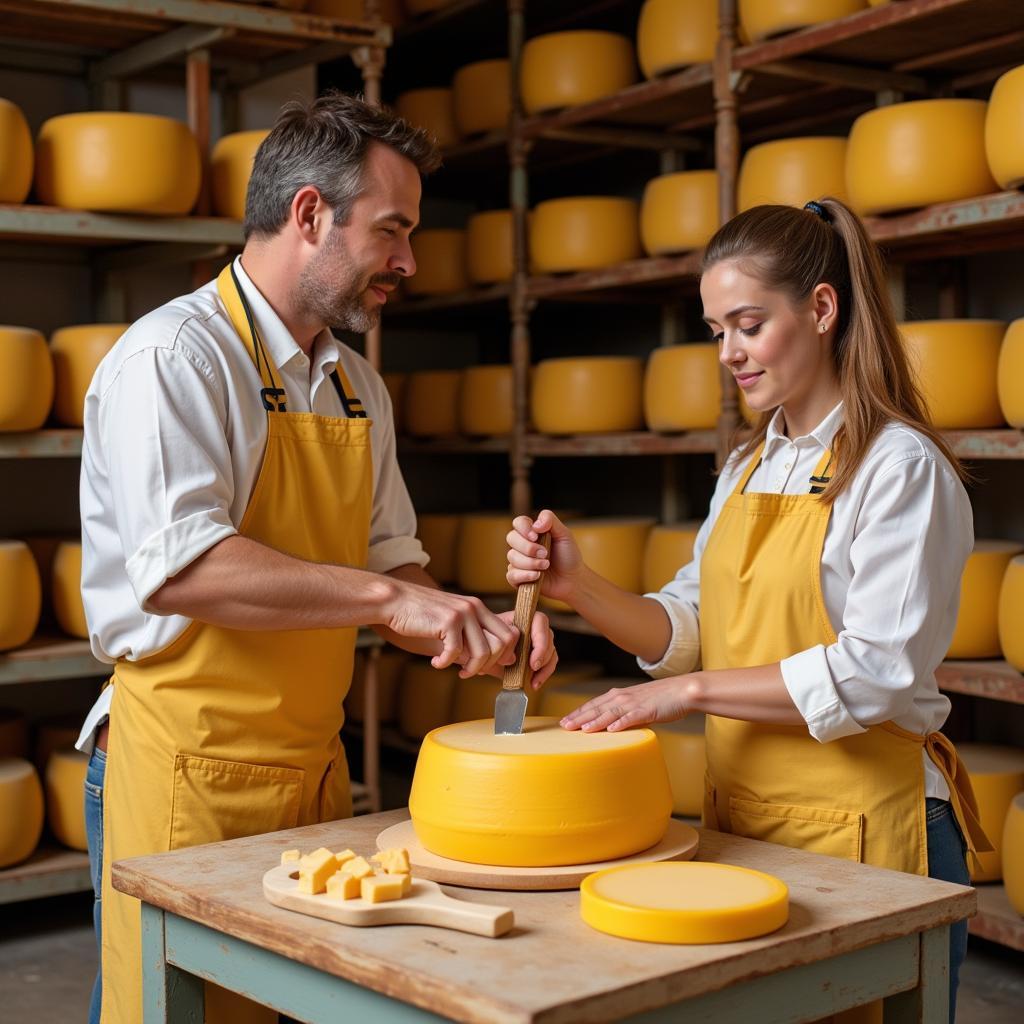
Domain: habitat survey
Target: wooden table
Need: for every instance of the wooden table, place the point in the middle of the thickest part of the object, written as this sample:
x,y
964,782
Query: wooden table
x,y
855,934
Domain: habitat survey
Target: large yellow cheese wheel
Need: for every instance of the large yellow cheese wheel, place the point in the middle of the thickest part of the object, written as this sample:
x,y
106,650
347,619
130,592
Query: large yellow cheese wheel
x,y
481,96
59,732
1010,375
20,594
669,547
395,384
15,154
1011,613
543,798
481,554
997,776
431,403
439,535
390,665
21,810
489,246
590,395
390,11
44,550
1004,140
685,753
474,699
76,353
763,18
679,212
65,797
485,401
425,697
431,109
1013,853
915,154
440,255
674,33
789,172
682,388
583,233
67,589
230,167
567,69
27,368
977,625
13,733
117,162
957,368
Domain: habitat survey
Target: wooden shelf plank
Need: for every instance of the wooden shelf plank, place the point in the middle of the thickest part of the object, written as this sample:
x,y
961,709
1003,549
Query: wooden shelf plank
x,y
46,658
652,270
996,920
996,680
452,445
986,444
639,442
50,871
482,296
41,444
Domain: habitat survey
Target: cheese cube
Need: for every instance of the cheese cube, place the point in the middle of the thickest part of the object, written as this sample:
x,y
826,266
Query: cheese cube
x,y
344,857
358,867
314,870
381,888
290,855
394,861
341,886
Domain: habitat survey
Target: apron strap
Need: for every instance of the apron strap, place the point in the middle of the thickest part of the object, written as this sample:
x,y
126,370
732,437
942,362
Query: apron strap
x,y
820,477
352,405
754,462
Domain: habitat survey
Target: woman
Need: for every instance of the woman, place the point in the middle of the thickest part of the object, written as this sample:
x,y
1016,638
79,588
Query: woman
x,y
824,585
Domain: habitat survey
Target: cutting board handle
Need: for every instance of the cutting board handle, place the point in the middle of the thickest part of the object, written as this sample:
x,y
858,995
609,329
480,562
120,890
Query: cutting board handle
x,y
515,675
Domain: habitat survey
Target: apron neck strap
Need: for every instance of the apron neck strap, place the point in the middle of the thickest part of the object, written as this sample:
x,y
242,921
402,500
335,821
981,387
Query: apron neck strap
x,y
820,477
749,471
352,405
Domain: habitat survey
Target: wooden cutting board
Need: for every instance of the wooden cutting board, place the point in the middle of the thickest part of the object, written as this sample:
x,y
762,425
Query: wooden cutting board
x,y
679,843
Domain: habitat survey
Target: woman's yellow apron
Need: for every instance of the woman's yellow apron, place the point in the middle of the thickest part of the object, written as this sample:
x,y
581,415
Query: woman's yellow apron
x,y
228,733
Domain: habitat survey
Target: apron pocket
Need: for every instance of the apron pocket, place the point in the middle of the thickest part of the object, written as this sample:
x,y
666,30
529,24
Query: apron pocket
x,y
709,813
814,829
217,800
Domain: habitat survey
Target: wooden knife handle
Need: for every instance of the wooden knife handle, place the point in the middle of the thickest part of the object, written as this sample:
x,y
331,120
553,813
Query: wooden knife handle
x,y
526,605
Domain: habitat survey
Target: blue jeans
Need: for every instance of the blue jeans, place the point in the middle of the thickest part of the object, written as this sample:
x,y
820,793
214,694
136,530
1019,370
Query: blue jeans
x,y
94,835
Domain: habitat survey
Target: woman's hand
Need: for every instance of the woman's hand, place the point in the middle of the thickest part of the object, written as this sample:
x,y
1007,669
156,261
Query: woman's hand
x,y
526,560
543,655
662,700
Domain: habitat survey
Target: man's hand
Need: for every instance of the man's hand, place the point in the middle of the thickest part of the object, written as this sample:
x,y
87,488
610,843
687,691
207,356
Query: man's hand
x,y
543,656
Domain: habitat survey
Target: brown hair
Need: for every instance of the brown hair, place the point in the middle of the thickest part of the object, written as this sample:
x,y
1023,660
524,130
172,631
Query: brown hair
x,y
792,251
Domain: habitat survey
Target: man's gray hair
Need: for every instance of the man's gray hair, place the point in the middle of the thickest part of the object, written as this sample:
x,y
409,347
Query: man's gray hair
x,y
324,144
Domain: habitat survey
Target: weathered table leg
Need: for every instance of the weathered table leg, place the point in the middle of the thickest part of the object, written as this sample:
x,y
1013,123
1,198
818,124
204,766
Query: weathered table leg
x,y
929,1002
169,995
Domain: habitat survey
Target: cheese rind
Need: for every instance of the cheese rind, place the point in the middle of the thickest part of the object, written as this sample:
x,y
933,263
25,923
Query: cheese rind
x,y
480,96
65,809
440,255
679,212
430,109
669,547
1004,141
977,626
16,157
763,18
1010,375
997,776
683,388
583,233
431,403
1011,613
231,163
68,606
1013,853
588,395
485,401
791,171
27,370
489,246
21,810
674,33
76,352
21,594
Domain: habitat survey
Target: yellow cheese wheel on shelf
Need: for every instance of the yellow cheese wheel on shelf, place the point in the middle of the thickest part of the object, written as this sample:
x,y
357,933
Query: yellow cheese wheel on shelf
x,y
425,697
15,154
588,395
395,384
1011,613
59,732
480,93
789,172
685,752
1004,140
485,401
674,33
1013,853
1010,375
489,247
568,69
679,212
669,547
583,233
474,699
230,167
76,352
762,19
543,798
557,702
431,403
914,154
481,561
569,672
439,534
116,162
67,589
440,255
957,368
21,810
390,665
13,733
65,804
977,625
27,369
682,388
432,110
997,776
390,11
20,594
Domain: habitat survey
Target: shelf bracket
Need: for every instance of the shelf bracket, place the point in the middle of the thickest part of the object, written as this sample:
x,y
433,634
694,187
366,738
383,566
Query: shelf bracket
x,y
156,51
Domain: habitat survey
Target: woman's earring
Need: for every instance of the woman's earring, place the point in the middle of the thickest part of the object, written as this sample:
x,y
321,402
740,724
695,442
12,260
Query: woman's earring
x,y
823,328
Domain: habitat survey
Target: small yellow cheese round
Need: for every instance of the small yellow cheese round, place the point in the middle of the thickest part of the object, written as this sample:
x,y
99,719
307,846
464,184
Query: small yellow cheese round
x,y
1010,375
789,172
20,594
685,753
230,167
395,384
1011,613
682,388
1004,140
76,352
431,403
915,154
543,798
13,733
21,810
15,154
679,212
65,800
997,776
485,401
390,665
440,255
432,110
390,11
1013,853
557,702
957,368
489,246
27,370
67,589
439,534
481,554
589,395
669,547
116,162
583,233
674,33
481,97
59,732
474,699
425,696
764,18
977,625
567,69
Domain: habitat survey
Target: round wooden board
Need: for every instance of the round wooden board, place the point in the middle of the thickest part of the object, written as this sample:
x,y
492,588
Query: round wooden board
x,y
680,843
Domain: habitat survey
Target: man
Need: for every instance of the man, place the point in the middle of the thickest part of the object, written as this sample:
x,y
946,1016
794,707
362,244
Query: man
x,y
243,513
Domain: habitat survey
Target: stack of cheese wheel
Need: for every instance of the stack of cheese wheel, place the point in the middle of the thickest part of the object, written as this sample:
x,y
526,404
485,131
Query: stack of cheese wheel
x,y
1011,613
613,548
65,807
685,752
957,367
489,247
682,388
440,255
485,401
116,162
230,168
1013,853
27,370
1010,375
588,395
481,97
395,384
474,698
15,154
13,733
762,19
915,154
67,589
481,555
390,11
583,233
674,33
20,594
59,732
977,625
21,810
669,547
390,665
44,551
425,697
431,403
76,353
430,109
1004,141
679,212
789,172
439,535
568,69
997,776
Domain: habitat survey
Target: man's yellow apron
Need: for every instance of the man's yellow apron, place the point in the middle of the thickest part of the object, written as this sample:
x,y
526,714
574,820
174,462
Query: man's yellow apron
x,y
228,733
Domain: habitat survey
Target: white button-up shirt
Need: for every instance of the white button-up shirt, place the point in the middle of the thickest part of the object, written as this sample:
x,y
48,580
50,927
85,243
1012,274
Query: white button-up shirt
x,y
896,545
